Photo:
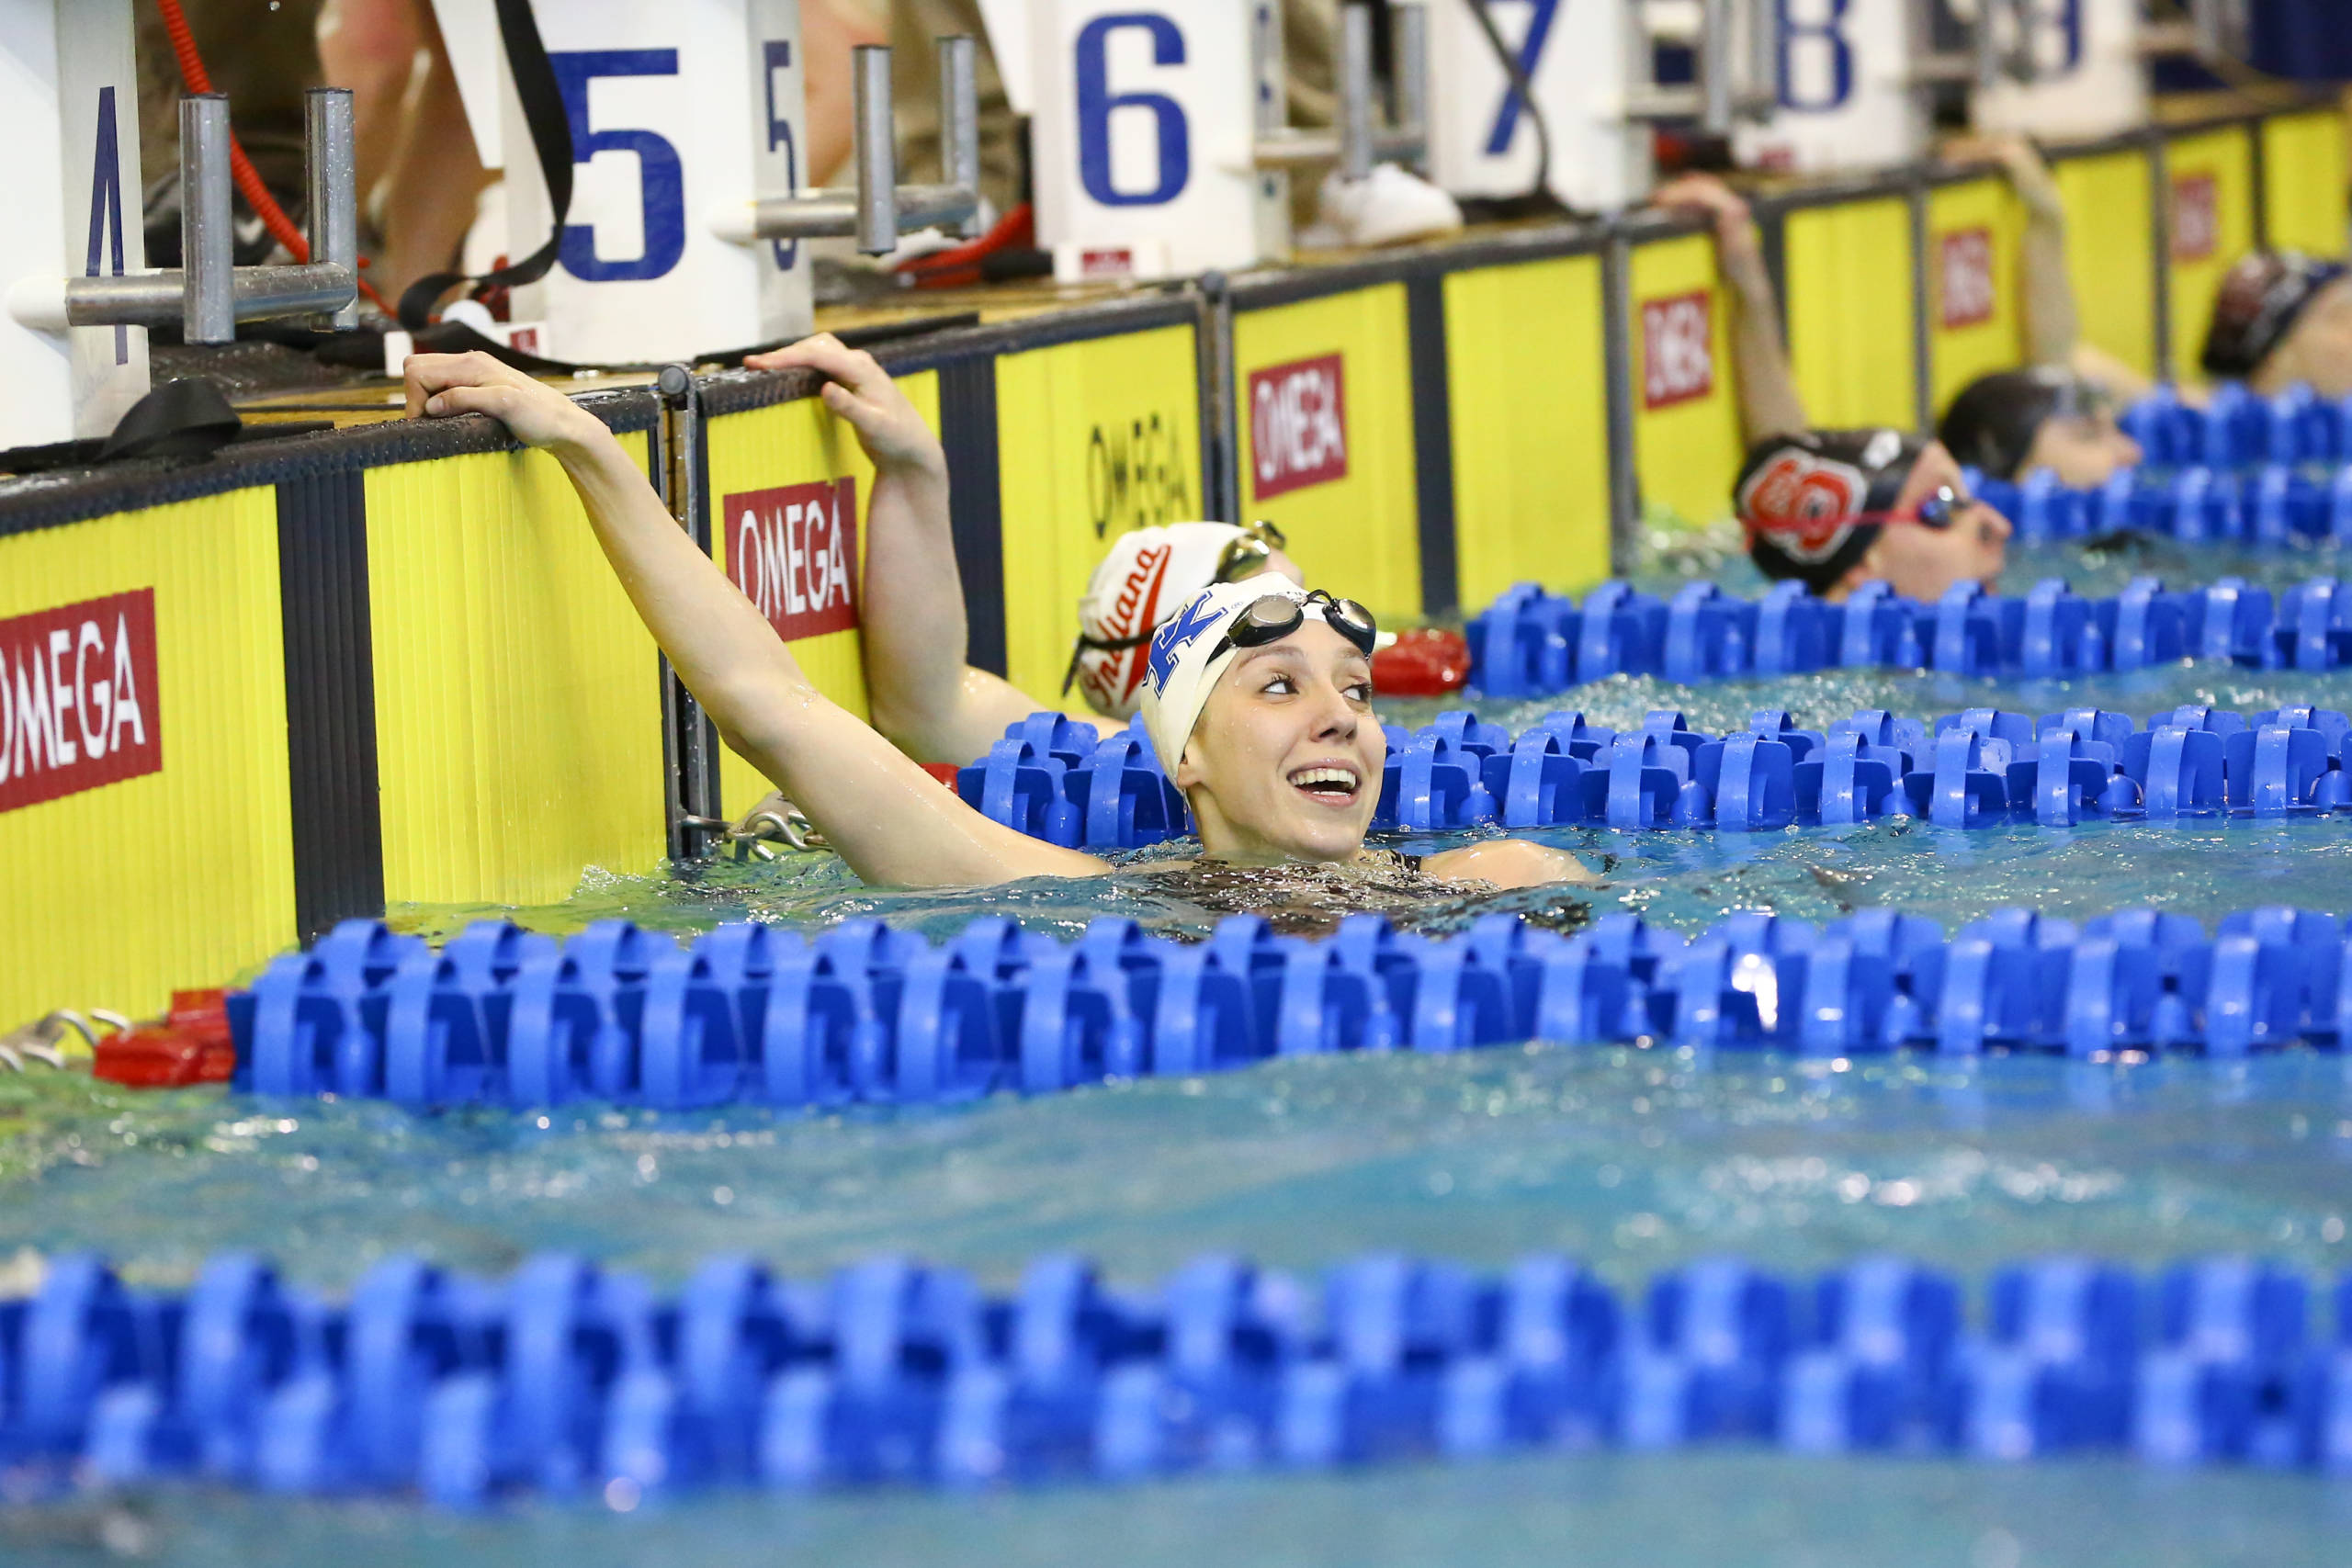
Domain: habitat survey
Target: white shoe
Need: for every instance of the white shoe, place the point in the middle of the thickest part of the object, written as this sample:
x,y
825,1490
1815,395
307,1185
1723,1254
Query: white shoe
x,y
1389,207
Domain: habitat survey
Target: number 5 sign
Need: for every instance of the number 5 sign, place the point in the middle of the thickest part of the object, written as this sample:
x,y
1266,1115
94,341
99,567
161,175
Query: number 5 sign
x,y
676,111
1145,129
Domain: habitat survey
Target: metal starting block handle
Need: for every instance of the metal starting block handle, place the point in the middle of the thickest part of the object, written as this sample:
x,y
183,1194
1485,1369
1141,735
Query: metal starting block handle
x,y
1728,89
879,208
1985,61
208,294
1360,140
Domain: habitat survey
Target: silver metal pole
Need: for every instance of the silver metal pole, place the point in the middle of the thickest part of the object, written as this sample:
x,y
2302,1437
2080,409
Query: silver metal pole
x,y
208,235
1409,34
1989,63
1715,68
1355,91
1923,342
1763,51
2160,247
878,151
331,165
1617,370
959,123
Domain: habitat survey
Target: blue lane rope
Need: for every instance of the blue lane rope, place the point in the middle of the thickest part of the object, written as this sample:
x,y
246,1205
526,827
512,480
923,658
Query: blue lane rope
x,y
1051,777
570,1379
1529,643
862,1013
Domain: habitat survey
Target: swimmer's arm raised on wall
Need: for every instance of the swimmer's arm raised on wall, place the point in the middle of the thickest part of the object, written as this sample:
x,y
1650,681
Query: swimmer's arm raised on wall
x,y
925,694
1767,385
886,817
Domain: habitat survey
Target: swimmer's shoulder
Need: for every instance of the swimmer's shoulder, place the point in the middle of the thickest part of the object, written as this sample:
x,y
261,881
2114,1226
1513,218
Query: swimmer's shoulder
x,y
1507,863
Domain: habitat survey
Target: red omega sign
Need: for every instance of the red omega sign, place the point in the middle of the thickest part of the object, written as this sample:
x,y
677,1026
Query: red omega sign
x,y
1298,425
793,551
79,704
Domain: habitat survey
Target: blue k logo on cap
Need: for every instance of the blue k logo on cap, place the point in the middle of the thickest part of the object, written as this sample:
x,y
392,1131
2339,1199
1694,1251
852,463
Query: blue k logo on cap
x,y
1193,620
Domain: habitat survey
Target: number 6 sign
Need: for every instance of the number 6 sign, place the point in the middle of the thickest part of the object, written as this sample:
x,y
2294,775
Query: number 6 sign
x,y
1145,129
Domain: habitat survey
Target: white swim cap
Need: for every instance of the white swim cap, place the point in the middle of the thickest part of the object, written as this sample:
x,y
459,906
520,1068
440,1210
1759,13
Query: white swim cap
x,y
1144,576
1189,652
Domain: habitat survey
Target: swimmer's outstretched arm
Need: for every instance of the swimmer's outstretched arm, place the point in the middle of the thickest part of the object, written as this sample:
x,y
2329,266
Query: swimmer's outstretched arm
x,y
925,696
888,819
2053,324
1766,387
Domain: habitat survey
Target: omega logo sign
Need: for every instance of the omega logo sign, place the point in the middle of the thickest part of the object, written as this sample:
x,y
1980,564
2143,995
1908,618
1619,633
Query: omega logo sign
x,y
2196,217
1678,349
78,698
1298,425
1964,278
793,551
1134,474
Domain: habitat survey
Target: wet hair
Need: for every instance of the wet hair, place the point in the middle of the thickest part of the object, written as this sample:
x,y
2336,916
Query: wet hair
x,y
1804,498
1991,425
2256,307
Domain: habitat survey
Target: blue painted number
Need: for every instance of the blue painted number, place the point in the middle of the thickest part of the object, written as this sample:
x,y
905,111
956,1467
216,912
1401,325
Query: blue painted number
x,y
1096,103
1827,32
776,55
661,179
1530,51
106,205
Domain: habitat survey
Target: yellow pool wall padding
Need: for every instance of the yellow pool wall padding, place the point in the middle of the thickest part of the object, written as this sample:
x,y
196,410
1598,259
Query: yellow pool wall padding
x,y
518,716
1848,270
1530,474
787,443
1095,438
2303,178
1957,356
2225,156
1359,534
118,896
1686,453
2107,257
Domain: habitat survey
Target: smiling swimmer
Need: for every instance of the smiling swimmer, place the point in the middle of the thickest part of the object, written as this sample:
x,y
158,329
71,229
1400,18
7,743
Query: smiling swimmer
x,y
1258,694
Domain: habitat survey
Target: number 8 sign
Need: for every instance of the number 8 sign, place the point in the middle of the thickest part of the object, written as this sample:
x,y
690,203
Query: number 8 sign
x,y
1144,130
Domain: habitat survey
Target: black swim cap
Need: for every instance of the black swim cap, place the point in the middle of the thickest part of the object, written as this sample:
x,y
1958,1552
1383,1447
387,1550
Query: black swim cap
x,y
1991,425
1801,497
2256,308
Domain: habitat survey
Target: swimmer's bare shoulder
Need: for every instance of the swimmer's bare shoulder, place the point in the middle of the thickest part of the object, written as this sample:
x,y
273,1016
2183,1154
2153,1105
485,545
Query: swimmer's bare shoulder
x,y
1507,862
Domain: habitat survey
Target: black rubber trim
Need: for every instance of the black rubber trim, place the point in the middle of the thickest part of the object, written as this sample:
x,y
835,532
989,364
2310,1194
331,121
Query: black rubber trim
x,y
1433,444
1534,243
339,826
967,430
740,392
50,501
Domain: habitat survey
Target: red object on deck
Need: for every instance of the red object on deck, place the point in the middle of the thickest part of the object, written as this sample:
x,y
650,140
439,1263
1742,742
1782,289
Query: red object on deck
x,y
192,1046
944,772
1424,661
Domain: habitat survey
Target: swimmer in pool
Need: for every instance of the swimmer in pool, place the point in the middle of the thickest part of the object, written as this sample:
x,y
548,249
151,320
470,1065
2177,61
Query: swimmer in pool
x,y
2282,317
2057,412
1834,509
924,694
1259,693
1765,388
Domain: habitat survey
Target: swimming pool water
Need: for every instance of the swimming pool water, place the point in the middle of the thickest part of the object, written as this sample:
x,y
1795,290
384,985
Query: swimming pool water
x,y
1632,1160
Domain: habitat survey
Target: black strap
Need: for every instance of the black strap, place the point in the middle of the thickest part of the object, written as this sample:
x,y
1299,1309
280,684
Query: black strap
x,y
543,111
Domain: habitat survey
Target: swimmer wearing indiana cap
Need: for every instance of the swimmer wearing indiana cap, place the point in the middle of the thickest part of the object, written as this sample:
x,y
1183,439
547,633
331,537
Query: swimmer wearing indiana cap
x,y
2282,317
1834,509
923,692
1258,694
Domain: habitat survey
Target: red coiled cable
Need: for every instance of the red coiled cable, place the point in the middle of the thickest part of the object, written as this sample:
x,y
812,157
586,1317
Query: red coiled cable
x,y
282,227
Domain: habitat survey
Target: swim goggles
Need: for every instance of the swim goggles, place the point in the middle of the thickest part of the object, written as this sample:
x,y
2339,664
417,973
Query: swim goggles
x,y
1245,553
1939,508
1277,616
